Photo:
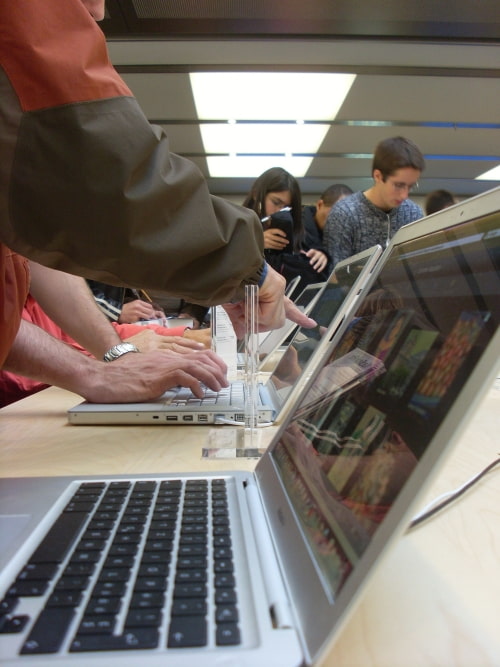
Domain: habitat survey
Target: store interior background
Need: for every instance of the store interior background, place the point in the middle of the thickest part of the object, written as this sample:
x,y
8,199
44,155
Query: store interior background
x,y
427,70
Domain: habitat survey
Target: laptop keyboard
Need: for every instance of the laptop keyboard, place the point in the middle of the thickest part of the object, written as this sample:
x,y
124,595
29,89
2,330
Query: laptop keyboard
x,y
234,394
125,566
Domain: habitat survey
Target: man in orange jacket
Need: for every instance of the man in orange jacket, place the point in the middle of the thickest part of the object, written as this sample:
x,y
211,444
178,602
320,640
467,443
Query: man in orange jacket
x,y
88,186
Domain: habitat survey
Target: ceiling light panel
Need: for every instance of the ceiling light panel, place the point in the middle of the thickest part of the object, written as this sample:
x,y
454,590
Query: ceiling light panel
x,y
265,96
490,175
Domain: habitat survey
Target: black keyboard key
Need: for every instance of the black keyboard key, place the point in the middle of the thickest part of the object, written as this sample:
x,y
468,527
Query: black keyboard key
x,y
187,631
48,633
78,569
228,634
97,625
191,562
190,591
147,600
191,577
225,596
37,571
56,544
64,599
109,589
114,574
86,557
153,569
159,545
224,580
73,583
194,529
196,538
143,618
226,613
222,565
113,562
123,550
196,549
223,552
7,605
189,607
23,589
133,638
13,624
103,606
158,584
152,557
80,506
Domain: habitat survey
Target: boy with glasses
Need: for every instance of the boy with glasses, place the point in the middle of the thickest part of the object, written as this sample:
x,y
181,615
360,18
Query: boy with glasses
x,y
372,217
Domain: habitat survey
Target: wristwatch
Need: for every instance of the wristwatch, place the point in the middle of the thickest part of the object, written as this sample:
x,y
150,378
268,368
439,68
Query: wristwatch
x,y
117,351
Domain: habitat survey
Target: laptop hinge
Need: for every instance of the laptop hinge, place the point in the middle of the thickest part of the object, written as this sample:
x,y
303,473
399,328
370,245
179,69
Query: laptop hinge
x,y
279,607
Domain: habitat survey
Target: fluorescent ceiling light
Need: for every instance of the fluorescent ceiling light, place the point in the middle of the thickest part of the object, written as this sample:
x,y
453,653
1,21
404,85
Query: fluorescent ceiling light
x,y
262,138
235,97
244,166
491,175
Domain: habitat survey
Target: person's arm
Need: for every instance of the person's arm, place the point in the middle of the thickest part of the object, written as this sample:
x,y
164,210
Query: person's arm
x,y
114,203
130,378
68,301
133,311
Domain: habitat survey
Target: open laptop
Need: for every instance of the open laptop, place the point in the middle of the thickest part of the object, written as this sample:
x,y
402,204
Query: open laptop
x,y
270,341
180,406
289,548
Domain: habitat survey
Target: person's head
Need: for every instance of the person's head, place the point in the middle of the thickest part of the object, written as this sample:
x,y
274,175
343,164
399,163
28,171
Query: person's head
x,y
274,189
396,168
96,8
382,299
437,200
329,197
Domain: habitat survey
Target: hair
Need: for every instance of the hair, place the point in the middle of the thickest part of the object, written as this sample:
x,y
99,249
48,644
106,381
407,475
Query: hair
x,y
334,193
437,200
397,153
378,300
277,179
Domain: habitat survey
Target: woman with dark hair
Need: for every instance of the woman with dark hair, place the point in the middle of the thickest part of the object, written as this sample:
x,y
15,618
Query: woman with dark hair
x,y
276,193
272,193
274,190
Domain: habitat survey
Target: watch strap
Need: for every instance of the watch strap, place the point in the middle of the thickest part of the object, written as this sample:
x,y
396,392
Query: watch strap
x,y
118,350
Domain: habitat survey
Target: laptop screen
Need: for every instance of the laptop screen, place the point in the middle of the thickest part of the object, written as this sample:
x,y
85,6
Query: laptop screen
x,y
327,306
383,391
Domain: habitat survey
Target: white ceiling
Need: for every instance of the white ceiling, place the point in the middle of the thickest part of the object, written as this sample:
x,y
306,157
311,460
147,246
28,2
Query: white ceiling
x,y
443,94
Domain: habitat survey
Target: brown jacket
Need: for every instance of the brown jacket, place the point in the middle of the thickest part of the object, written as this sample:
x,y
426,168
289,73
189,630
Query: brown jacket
x,y
14,285
88,186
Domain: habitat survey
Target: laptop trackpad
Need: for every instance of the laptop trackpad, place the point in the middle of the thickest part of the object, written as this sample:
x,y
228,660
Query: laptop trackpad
x,y
11,526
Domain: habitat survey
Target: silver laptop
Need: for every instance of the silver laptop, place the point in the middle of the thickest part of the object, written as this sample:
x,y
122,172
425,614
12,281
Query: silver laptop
x,y
129,570
270,341
273,397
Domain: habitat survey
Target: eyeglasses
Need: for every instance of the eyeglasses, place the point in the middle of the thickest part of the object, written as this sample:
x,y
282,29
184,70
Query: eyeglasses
x,y
400,187
275,201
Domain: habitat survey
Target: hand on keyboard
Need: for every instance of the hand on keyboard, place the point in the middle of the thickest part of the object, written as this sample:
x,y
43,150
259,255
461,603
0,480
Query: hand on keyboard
x,y
147,375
